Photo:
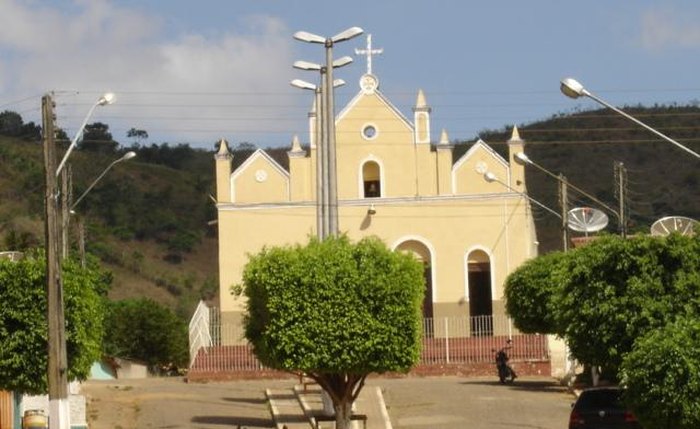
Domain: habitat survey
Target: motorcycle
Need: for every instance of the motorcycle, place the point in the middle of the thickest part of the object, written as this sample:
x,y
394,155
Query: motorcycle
x,y
505,372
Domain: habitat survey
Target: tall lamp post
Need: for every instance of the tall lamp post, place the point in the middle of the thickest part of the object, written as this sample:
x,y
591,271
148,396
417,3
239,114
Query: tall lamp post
x,y
57,374
573,89
328,105
321,152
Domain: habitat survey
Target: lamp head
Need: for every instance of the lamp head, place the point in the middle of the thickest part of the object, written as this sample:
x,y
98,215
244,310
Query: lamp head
x,y
305,36
572,88
303,84
338,82
521,157
342,61
306,65
371,210
128,155
347,34
107,98
490,177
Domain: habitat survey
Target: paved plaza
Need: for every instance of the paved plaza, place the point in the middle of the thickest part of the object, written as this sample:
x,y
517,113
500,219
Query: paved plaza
x,y
412,402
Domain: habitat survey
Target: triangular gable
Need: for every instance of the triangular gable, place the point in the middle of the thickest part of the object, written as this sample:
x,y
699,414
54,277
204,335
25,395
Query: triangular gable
x,y
253,157
348,107
468,178
472,150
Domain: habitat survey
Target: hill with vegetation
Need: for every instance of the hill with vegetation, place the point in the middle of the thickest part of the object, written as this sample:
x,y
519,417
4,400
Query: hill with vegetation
x,y
150,219
661,179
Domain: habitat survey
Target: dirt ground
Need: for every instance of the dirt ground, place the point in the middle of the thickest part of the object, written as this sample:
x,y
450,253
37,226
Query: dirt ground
x,y
447,402
172,403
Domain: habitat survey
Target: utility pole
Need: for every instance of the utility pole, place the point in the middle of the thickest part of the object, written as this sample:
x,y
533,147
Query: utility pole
x,y
621,174
66,197
564,203
59,417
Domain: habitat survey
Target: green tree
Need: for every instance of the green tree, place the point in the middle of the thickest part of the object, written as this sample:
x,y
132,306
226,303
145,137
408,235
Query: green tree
x,y
616,290
336,311
145,330
23,327
97,138
137,135
662,376
531,292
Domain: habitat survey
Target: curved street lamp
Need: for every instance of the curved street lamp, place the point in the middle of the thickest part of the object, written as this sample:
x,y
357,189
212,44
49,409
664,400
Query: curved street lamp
x,y
491,177
107,98
574,89
127,156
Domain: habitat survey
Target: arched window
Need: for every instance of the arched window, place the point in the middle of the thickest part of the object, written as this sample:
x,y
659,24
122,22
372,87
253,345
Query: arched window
x,y
371,180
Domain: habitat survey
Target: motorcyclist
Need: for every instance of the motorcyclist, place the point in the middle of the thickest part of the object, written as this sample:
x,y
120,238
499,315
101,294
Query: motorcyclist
x,y
504,370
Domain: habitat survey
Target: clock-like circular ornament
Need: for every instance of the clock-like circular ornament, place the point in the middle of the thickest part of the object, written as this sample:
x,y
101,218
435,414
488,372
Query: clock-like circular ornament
x,y
481,167
261,175
369,83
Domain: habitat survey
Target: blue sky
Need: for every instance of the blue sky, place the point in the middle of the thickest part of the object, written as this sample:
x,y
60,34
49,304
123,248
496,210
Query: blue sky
x,y
195,72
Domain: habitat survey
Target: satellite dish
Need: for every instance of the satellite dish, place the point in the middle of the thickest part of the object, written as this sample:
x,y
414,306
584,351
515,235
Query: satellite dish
x,y
586,219
666,225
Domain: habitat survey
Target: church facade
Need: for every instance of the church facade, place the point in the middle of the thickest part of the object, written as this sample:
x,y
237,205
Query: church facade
x,y
394,182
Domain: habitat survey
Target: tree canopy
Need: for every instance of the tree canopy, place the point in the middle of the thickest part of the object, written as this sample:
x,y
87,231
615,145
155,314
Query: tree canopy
x,y
23,326
616,290
336,311
145,330
662,375
624,305
531,292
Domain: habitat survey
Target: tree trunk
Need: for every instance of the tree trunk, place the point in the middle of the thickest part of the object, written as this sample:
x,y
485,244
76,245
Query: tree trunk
x,y
343,412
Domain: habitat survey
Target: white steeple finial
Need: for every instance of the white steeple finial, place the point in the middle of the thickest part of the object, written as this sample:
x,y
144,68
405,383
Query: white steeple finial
x,y
369,52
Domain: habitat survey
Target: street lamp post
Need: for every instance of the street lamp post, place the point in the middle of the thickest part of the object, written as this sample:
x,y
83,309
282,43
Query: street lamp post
x,y
321,151
574,89
565,184
127,156
491,177
329,108
57,372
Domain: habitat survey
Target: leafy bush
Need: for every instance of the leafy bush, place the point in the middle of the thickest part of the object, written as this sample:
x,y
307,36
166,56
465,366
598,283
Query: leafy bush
x,y
147,331
23,326
662,376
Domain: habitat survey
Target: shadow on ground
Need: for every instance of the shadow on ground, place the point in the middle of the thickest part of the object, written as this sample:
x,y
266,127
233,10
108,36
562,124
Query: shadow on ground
x,y
254,401
230,421
523,385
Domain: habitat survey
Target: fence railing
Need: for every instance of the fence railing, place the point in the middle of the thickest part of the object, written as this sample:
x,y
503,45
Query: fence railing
x,y
200,330
449,340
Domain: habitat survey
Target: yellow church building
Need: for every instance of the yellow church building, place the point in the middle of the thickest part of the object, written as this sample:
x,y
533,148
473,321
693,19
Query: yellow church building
x,y
393,182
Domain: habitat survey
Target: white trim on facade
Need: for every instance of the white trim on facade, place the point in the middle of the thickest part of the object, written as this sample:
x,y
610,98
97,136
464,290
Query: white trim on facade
x,y
247,163
351,105
361,178
468,154
433,258
492,264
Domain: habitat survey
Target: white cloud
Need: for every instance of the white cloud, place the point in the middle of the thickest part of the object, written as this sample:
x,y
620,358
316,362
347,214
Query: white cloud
x,y
664,28
175,86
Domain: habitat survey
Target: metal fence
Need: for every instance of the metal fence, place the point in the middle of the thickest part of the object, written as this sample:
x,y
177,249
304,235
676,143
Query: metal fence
x,y
453,340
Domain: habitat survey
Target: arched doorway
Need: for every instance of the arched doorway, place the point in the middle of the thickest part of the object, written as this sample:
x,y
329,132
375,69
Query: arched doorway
x,y
480,297
422,253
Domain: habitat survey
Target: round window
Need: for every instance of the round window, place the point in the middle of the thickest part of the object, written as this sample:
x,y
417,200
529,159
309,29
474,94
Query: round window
x,y
369,132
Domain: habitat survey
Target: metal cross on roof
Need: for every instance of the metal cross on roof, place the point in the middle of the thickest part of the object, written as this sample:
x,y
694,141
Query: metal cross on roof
x,y
369,52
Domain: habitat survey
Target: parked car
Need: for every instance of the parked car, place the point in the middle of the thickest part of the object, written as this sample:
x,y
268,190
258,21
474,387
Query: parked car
x,y
601,408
